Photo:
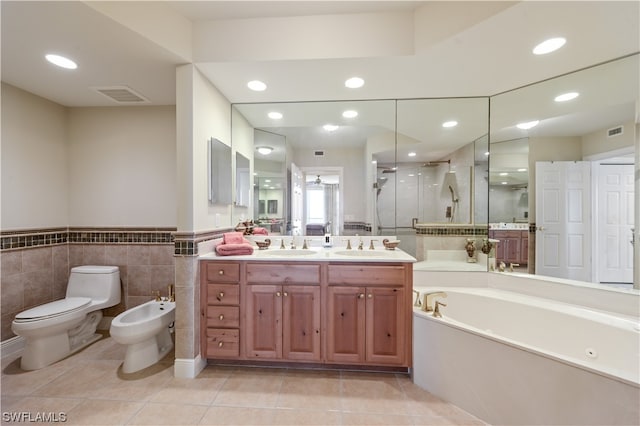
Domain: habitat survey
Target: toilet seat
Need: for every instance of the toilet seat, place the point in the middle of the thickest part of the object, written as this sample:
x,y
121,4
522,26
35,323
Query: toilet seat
x,y
53,309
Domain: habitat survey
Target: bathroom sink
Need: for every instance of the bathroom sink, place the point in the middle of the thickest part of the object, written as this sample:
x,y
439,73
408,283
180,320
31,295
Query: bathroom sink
x,y
361,253
289,252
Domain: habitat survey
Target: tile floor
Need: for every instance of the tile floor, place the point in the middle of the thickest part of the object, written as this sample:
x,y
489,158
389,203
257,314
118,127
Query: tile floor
x,y
90,389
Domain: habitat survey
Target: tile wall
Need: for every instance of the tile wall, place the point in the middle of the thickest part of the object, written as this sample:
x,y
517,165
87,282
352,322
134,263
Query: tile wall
x,y
35,265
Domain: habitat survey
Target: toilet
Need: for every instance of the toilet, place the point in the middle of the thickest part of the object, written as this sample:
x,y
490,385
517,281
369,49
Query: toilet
x,y
146,331
57,329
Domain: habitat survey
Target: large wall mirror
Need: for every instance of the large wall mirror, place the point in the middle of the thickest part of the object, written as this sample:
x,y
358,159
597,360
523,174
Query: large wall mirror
x,y
377,167
219,172
562,174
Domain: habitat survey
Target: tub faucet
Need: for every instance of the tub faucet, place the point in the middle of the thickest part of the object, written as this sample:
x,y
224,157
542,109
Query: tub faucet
x,y
417,303
427,304
436,310
511,265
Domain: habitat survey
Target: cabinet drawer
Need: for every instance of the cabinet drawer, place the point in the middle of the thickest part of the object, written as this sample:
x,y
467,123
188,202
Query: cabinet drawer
x,y
223,342
222,272
259,273
223,316
223,294
366,274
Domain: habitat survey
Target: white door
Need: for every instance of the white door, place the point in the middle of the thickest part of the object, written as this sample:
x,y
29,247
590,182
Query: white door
x,y
615,221
297,200
563,219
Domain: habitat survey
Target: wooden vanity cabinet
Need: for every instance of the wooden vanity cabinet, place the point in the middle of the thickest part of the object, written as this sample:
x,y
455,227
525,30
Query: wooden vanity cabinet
x,y
513,246
282,310
368,315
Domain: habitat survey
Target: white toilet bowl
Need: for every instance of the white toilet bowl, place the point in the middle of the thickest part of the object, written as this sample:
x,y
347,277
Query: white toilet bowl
x,y
146,331
57,329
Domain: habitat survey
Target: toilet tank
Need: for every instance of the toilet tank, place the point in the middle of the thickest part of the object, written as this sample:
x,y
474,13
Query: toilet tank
x,y
99,283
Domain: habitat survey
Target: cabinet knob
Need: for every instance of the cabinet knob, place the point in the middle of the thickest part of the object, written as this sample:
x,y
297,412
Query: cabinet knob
x,y
220,272
221,344
286,294
370,296
361,296
221,317
221,294
278,294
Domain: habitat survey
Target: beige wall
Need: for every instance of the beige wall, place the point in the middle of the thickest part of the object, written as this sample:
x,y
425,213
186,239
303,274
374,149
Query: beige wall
x,y
34,161
122,166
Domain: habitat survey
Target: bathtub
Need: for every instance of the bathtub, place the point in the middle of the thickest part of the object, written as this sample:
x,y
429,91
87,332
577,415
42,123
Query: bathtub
x,y
510,358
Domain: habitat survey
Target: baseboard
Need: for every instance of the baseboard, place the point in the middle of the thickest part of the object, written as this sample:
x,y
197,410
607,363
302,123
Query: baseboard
x,y
185,368
12,346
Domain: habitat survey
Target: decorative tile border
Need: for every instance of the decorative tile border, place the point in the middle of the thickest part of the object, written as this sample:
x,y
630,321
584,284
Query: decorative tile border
x,y
186,243
452,230
24,239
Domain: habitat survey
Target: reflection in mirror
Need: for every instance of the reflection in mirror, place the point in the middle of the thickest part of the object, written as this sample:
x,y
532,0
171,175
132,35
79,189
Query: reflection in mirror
x,y
437,168
219,166
269,182
321,141
572,216
243,180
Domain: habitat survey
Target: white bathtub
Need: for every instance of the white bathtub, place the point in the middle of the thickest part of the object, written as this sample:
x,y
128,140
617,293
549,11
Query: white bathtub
x,y
510,358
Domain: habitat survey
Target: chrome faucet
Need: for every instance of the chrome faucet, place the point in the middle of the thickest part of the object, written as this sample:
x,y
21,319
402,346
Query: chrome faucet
x,y
304,244
371,247
293,243
427,304
348,243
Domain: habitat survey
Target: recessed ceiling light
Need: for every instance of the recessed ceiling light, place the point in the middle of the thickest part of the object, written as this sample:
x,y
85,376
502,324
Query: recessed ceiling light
x,y
566,97
350,114
256,85
330,127
549,46
503,183
527,125
267,180
61,61
264,150
354,82
451,123
274,115
486,154
411,154
504,174
522,170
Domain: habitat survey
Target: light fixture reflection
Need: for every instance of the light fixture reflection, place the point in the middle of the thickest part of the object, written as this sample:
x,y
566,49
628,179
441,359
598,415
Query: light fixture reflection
x,y
566,97
451,123
330,127
350,114
527,125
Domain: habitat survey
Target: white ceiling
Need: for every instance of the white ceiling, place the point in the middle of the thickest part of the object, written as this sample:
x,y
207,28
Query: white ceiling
x,y
305,50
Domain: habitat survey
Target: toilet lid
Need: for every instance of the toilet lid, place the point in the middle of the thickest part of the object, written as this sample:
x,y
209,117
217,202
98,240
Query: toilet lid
x,y
51,309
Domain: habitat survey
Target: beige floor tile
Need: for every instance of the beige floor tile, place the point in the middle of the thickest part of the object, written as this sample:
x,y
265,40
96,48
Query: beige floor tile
x,y
375,419
16,381
101,412
306,417
169,414
56,409
132,387
373,393
256,389
80,381
317,391
198,391
238,416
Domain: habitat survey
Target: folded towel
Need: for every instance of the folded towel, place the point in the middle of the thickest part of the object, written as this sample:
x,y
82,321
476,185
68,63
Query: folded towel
x,y
260,231
234,249
232,238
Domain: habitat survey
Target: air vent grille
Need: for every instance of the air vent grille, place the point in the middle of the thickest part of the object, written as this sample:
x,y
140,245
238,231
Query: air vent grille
x,y
616,131
318,153
121,94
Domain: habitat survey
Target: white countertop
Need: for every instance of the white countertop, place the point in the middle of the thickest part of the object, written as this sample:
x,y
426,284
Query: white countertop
x,y
319,254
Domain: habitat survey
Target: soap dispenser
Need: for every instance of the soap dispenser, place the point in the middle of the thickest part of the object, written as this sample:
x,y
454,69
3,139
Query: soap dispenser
x,y
326,241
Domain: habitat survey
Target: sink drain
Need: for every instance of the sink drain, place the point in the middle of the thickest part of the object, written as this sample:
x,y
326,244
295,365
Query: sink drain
x,y
591,353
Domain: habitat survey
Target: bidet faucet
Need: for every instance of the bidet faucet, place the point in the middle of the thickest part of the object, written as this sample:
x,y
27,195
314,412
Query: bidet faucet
x,y
427,305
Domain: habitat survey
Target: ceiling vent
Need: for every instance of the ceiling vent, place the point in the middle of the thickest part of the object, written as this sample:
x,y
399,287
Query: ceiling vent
x,y
616,131
318,153
121,94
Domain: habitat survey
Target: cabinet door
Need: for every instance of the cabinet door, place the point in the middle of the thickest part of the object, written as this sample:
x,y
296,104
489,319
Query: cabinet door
x,y
512,249
301,323
264,321
385,325
345,324
524,249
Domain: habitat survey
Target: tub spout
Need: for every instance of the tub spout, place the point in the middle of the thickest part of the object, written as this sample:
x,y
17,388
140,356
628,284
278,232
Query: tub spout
x,y
427,304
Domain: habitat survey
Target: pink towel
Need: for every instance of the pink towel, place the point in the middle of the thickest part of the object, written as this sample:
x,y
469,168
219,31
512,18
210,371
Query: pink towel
x,y
232,238
234,249
260,231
